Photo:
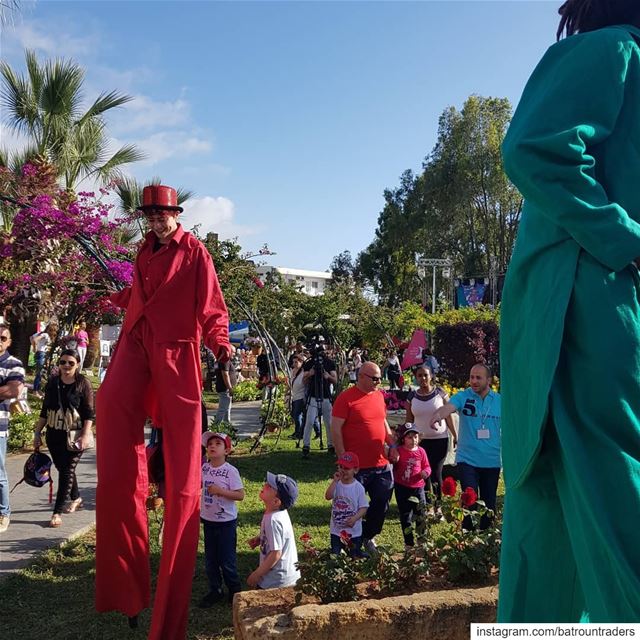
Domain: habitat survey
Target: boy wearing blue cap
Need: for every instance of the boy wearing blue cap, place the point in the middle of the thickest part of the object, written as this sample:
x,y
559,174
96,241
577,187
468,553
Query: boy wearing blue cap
x,y
278,553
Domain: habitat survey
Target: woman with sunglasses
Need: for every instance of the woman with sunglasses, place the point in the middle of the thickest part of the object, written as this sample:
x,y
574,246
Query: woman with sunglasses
x,y
68,400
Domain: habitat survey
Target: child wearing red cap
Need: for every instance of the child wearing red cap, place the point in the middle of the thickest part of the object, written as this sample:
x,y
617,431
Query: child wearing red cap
x,y
349,506
221,489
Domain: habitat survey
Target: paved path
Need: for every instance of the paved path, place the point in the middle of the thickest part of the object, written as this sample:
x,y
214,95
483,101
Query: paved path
x,y
29,533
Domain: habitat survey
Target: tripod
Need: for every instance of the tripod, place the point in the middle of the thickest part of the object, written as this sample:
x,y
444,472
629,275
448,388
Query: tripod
x,y
320,399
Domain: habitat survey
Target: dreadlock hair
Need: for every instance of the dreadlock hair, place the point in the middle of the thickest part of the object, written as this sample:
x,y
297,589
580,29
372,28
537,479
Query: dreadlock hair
x,y
578,16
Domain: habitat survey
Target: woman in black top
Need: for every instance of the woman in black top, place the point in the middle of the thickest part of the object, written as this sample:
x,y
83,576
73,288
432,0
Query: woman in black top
x,y
69,392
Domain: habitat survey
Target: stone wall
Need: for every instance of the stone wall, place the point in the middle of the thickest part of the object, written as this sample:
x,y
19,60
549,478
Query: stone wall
x,y
445,615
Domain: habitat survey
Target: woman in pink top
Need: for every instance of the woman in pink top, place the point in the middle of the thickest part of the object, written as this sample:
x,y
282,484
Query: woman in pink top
x,y
409,475
83,342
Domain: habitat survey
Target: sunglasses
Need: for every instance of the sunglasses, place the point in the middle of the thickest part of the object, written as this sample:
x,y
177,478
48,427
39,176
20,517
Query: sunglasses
x,y
373,378
70,363
4,338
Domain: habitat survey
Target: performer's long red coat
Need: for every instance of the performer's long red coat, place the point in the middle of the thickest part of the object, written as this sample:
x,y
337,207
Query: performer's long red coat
x,y
174,300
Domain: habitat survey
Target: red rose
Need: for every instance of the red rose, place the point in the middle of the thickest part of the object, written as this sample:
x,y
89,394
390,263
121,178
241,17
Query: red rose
x,y
469,497
449,487
305,537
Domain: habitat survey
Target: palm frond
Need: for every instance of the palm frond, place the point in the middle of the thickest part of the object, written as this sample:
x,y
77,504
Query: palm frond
x,y
125,155
104,102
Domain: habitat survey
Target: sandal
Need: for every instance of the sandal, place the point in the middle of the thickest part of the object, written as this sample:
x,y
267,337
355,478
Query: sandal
x,y
56,520
73,506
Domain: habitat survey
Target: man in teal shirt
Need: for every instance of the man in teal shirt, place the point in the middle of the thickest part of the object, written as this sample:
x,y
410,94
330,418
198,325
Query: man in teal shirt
x,y
570,329
478,453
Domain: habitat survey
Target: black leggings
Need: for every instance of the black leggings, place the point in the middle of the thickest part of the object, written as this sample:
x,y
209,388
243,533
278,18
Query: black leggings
x,y
408,509
436,450
65,462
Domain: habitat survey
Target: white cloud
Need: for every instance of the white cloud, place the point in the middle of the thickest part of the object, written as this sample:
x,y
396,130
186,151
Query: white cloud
x,y
215,215
56,42
169,144
147,114
11,140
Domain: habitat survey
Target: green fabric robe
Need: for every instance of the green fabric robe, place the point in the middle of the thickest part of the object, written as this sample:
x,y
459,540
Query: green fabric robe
x,y
570,339
573,151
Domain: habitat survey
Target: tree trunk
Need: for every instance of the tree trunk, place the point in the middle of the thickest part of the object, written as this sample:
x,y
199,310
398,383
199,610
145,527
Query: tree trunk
x,y
93,350
22,329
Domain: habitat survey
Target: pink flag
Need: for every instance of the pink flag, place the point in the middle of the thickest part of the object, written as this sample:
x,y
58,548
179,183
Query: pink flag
x,y
413,353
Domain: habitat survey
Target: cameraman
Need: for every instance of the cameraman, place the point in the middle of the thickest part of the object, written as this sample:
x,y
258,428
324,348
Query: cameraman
x,y
319,374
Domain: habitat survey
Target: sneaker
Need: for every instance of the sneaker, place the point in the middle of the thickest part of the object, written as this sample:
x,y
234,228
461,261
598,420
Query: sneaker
x,y
210,599
305,452
370,545
4,523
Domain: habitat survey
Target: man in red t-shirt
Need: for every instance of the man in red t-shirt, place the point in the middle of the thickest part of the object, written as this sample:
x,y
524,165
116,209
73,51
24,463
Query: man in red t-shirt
x,y
359,424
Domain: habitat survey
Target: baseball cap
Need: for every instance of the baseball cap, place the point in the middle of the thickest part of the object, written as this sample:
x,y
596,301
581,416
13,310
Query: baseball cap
x,y
349,460
207,435
404,429
285,486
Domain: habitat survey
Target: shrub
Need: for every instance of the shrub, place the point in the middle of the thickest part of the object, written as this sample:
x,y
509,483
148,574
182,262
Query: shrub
x,y
21,428
459,346
328,576
246,390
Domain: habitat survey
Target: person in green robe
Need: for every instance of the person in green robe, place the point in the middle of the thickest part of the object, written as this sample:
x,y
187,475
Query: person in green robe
x,y
570,330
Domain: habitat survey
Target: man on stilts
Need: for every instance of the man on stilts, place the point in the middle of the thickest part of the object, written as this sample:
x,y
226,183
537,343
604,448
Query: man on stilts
x,y
174,301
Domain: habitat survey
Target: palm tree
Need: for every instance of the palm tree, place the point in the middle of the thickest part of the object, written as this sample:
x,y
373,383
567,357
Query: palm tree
x,y
46,104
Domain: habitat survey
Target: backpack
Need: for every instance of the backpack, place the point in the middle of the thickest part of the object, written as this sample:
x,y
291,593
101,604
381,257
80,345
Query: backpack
x,y
37,472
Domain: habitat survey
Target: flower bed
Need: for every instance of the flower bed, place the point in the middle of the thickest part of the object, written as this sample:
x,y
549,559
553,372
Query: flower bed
x,y
439,586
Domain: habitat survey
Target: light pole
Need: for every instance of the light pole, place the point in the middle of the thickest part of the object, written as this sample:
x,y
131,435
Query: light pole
x,y
434,263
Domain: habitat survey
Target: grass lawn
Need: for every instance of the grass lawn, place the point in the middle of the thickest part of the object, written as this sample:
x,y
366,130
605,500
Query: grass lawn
x,y
54,597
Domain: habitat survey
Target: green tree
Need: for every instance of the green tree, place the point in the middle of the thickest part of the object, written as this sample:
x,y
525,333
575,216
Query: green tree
x,y
46,105
462,206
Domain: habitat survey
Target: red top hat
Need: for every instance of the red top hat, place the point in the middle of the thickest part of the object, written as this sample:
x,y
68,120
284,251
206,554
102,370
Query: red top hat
x,y
157,196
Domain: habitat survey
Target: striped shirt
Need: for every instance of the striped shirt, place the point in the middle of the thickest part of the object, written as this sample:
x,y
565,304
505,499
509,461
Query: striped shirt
x,y
10,369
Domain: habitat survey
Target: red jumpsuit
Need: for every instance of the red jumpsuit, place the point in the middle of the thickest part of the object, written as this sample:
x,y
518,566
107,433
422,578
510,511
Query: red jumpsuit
x,y
175,298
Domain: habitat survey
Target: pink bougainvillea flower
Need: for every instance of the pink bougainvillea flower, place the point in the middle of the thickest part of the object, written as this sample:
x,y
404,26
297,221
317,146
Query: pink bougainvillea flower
x,y
469,497
449,487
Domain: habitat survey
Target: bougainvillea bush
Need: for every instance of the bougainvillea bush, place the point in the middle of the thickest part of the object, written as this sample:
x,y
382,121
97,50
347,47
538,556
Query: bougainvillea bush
x,y
43,266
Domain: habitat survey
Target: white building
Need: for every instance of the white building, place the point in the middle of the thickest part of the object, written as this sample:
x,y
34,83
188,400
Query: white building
x,y
313,283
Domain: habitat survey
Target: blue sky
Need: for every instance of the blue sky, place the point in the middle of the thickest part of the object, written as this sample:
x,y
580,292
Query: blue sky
x,y
287,119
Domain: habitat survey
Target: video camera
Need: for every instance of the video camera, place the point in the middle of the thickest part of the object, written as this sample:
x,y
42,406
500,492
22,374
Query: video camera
x,y
315,346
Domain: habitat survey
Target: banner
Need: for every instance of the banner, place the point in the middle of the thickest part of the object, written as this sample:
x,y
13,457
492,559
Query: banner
x,y
413,353
470,295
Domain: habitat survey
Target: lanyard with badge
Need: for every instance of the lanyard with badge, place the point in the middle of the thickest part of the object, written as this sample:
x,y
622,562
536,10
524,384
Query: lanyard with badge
x,y
483,433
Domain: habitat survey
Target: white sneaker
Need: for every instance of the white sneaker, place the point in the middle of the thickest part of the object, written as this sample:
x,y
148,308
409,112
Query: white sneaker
x,y
4,523
370,545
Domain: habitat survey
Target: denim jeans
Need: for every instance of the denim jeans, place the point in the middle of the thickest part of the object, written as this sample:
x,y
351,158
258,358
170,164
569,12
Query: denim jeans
x,y
220,540
297,413
4,480
354,550
39,358
378,483
484,481
312,414
224,407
